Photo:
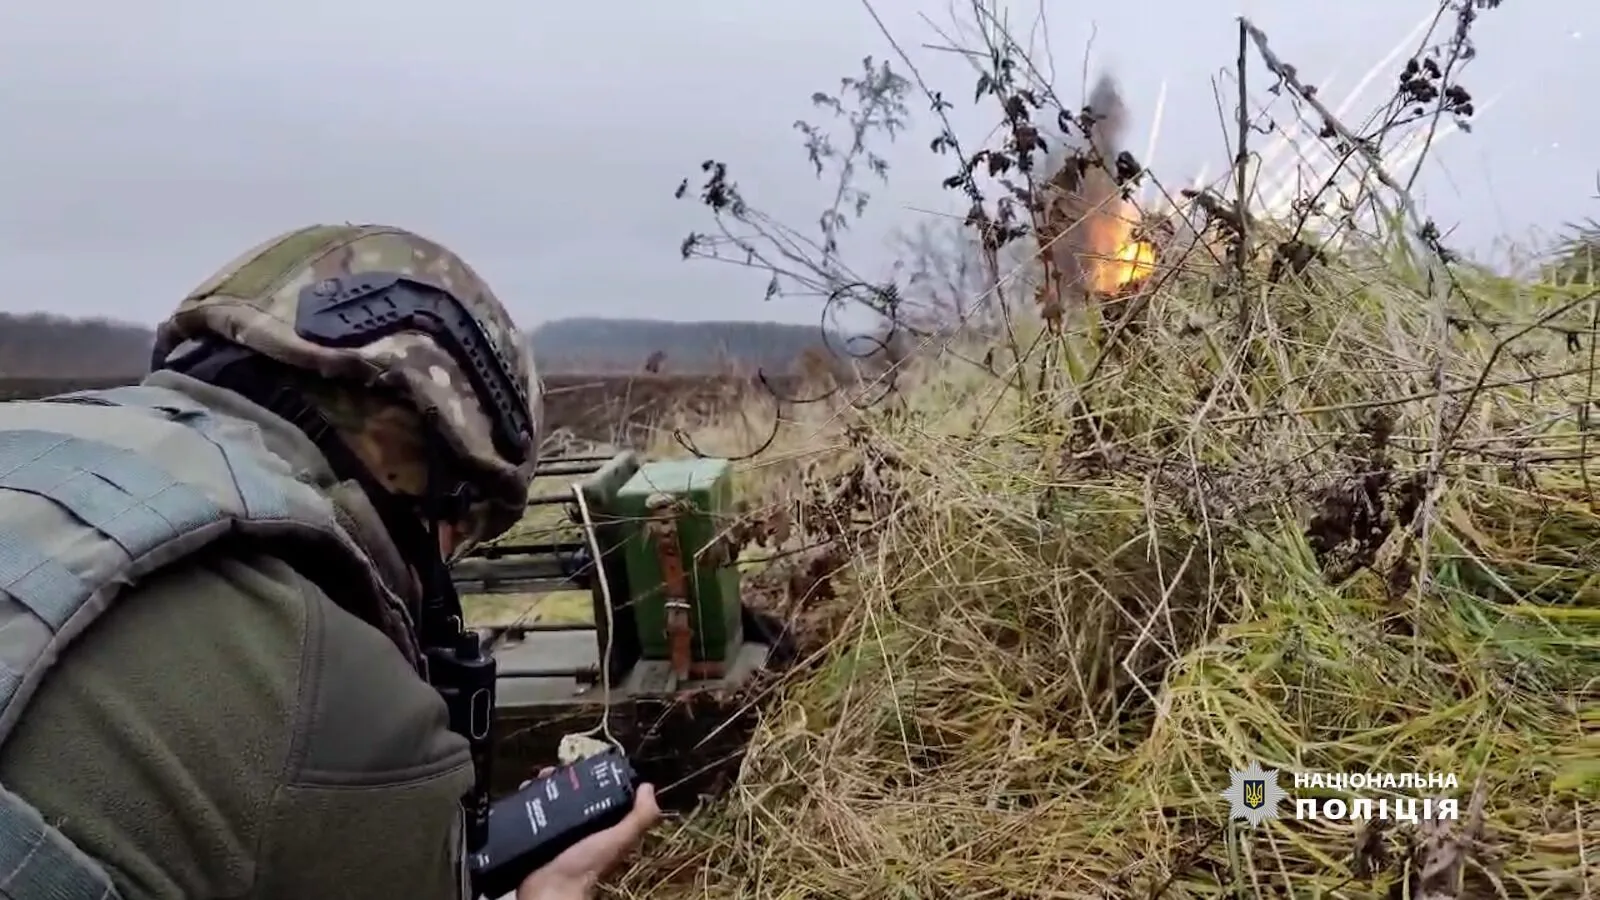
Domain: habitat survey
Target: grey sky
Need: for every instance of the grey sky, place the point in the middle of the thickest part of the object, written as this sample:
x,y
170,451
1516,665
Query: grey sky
x,y
147,143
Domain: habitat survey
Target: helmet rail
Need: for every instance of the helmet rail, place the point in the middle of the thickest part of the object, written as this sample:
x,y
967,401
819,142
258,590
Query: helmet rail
x,y
356,310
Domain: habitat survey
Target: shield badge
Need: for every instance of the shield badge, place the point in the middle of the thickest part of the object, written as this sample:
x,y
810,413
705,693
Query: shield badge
x,y
1255,793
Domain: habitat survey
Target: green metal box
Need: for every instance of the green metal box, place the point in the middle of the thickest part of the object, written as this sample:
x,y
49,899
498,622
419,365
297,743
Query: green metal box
x,y
702,491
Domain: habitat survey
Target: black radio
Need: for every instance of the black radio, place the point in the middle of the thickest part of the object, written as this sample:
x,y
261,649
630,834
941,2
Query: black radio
x,y
464,676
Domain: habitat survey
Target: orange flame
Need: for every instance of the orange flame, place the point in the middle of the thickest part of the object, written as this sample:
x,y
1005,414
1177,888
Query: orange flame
x,y
1119,260
1134,263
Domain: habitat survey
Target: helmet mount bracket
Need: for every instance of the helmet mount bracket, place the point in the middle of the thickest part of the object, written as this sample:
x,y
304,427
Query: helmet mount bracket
x,y
353,310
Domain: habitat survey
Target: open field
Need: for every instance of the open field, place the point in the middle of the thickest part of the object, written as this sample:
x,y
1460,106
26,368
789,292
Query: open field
x,y
605,408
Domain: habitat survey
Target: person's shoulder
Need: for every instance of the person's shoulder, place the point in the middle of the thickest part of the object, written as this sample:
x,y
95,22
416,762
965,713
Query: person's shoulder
x,y
269,643
372,745
247,704
193,679
369,714
360,710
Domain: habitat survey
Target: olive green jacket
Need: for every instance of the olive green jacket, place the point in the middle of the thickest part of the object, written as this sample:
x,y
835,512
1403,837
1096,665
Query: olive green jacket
x,y
227,731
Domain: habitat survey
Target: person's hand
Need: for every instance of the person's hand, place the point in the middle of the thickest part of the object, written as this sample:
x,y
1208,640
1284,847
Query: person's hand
x,y
574,874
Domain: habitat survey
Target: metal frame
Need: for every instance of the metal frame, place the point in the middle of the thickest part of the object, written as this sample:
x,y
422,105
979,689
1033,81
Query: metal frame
x,y
547,566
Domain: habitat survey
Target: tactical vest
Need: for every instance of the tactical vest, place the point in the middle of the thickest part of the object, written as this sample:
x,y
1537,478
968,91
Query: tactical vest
x,y
98,490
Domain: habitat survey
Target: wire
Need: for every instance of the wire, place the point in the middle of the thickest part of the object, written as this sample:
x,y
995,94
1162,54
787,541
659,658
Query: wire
x,y
604,728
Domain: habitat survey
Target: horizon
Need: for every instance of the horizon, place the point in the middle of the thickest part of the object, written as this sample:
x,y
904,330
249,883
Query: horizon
x,y
109,320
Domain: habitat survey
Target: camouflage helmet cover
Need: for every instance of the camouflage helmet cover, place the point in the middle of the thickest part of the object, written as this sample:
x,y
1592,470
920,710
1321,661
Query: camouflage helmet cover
x,y
254,300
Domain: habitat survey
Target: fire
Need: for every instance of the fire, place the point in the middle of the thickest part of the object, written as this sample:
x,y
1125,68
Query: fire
x,y
1133,263
1119,260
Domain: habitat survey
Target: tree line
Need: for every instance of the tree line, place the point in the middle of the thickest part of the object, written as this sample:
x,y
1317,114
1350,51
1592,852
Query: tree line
x,y
42,345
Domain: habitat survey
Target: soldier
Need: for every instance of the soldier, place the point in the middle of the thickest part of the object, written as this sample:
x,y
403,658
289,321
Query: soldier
x,y
222,590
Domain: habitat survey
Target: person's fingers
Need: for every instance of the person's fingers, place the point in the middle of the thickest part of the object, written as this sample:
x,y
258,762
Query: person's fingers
x,y
609,847
646,811
645,815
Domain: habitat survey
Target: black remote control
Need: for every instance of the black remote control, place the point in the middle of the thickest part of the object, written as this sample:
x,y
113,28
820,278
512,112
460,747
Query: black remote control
x,y
533,826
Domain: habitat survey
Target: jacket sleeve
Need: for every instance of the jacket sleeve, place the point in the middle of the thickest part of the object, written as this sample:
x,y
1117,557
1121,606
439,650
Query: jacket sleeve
x,y
227,731
370,804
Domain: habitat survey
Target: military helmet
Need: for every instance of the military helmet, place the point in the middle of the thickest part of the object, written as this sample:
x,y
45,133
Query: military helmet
x,y
390,314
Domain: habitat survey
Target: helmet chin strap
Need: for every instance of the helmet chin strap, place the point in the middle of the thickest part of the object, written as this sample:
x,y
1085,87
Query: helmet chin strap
x,y
447,498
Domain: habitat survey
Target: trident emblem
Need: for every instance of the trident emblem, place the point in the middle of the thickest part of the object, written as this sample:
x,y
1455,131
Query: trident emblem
x,y
1255,793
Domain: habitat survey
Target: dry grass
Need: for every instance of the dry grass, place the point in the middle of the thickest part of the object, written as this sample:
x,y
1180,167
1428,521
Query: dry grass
x,y
1091,601
1341,522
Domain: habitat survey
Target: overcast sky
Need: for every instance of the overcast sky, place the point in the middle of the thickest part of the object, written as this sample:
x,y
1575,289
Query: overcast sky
x,y
145,143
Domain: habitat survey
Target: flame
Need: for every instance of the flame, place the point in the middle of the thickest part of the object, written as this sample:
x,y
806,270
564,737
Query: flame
x,y
1121,260
1134,262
